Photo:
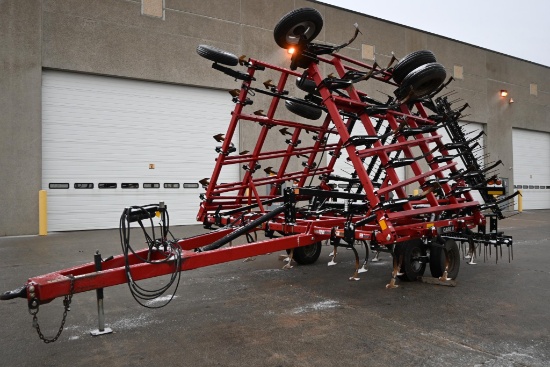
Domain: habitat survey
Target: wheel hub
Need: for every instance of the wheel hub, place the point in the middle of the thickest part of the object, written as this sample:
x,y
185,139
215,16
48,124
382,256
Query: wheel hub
x,y
303,29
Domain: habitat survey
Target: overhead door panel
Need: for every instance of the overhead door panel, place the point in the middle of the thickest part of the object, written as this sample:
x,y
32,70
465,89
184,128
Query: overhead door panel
x,y
532,167
109,143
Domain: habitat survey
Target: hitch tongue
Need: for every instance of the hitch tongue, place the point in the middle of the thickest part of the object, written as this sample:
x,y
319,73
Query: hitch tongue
x,y
20,292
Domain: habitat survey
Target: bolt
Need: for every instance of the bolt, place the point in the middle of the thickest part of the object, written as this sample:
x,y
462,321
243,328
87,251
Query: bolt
x,y
388,237
31,288
312,238
32,294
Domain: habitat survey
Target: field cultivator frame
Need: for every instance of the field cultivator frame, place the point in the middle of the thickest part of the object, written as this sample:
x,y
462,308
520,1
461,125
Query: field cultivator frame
x,y
299,209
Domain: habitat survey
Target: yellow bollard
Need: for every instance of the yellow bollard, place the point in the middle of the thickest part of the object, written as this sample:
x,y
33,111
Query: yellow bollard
x,y
42,213
520,201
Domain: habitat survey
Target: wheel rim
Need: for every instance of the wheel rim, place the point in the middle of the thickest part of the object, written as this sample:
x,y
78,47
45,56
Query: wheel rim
x,y
452,261
416,264
310,250
305,28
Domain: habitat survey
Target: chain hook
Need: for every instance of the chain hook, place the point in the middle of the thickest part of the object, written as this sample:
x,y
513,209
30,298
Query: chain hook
x,y
66,304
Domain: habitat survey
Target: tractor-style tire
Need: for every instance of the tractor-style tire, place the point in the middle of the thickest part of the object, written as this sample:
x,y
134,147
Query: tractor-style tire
x,y
215,54
422,81
412,266
305,111
411,62
307,255
302,22
438,256
307,85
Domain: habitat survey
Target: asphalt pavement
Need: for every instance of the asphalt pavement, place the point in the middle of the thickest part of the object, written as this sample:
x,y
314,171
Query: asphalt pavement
x,y
253,313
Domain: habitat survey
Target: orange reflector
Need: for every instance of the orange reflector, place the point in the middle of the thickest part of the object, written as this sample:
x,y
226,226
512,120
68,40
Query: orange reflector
x,y
383,224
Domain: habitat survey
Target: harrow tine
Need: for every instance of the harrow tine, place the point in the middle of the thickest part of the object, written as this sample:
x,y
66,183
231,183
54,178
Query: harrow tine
x,y
441,87
449,93
472,250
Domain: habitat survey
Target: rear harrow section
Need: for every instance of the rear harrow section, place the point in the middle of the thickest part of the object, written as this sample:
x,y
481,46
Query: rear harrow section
x,y
294,197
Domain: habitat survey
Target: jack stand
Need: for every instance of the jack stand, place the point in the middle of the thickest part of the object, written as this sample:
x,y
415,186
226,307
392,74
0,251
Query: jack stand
x,y
100,312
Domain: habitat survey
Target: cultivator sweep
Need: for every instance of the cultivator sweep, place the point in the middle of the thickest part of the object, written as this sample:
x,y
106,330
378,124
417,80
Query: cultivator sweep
x,y
294,197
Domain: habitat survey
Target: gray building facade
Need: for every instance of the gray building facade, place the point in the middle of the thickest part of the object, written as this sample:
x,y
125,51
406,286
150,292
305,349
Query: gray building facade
x,y
118,38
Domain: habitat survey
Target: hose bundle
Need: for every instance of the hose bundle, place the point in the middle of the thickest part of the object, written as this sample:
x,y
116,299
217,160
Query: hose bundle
x,y
170,250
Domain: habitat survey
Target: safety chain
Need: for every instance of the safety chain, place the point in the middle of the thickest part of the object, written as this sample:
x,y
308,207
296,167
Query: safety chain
x,y
66,304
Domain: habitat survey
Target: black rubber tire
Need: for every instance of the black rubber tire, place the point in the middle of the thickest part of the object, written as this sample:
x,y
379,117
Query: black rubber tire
x,y
302,21
412,267
307,255
437,259
305,111
422,81
215,54
307,85
411,62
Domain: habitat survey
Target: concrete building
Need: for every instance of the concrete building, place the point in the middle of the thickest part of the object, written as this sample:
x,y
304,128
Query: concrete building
x,y
111,94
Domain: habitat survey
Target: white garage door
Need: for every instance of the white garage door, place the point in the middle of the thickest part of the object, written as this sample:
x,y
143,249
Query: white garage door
x,y
109,143
532,167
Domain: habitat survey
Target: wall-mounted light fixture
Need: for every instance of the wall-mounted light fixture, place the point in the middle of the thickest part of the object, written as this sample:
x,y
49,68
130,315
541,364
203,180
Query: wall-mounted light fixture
x,y
503,92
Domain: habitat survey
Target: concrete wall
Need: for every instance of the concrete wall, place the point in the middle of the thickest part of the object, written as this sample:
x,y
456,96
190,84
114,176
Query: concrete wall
x,y
20,116
112,37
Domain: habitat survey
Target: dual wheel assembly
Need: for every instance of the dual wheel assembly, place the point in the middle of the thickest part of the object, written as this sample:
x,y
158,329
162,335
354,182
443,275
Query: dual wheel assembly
x,y
412,257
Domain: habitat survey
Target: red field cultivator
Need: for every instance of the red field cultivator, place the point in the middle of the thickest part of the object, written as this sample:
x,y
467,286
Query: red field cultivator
x,y
303,202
